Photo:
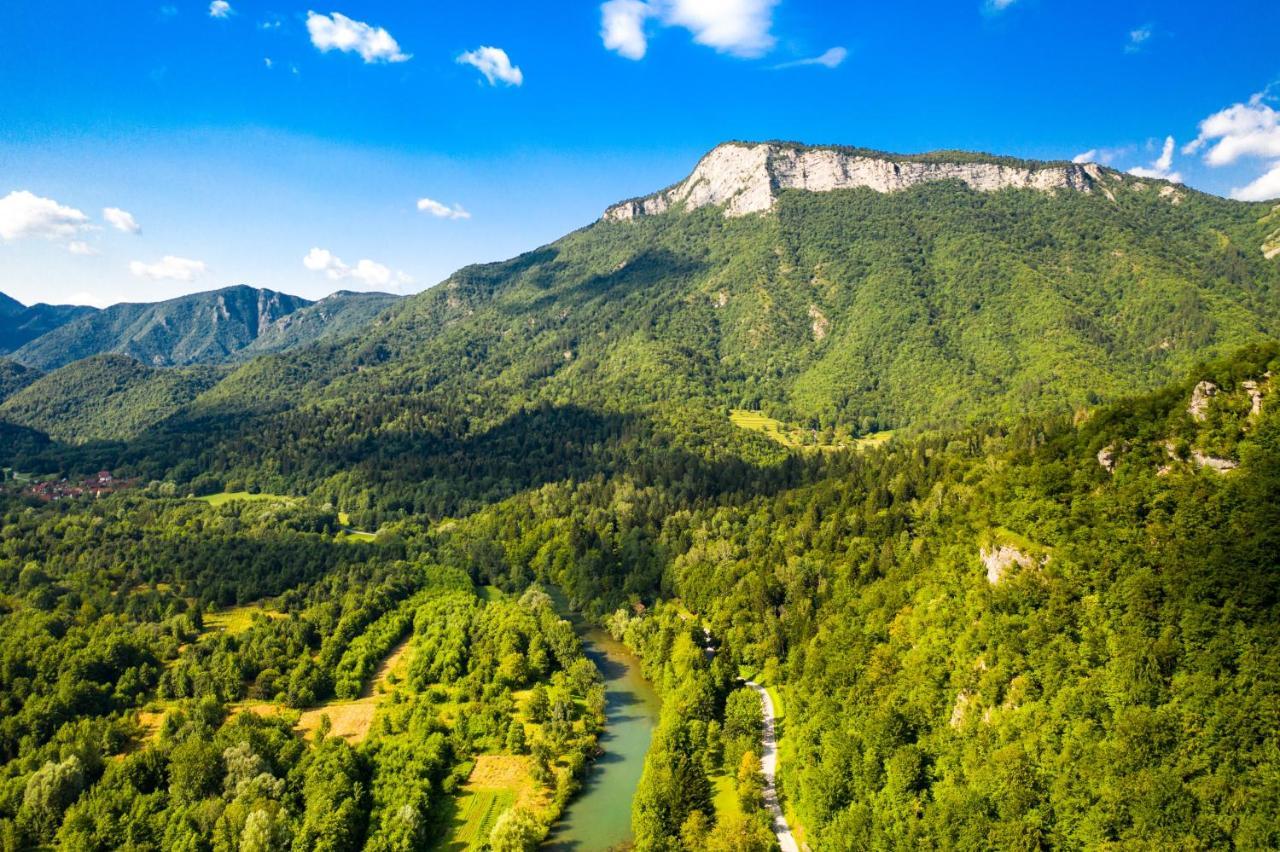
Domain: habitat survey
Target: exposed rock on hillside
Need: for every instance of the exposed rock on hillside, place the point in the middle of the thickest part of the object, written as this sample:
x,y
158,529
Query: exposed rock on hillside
x,y
999,559
746,178
1198,408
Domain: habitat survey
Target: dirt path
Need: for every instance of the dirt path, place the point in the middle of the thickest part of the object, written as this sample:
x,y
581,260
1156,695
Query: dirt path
x,y
386,667
769,765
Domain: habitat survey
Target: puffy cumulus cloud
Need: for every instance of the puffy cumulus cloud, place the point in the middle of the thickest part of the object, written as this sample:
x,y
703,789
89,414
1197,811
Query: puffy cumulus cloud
x,y
120,220
736,27
1241,130
24,214
1105,156
220,9
81,248
1162,168
1090,156
494,64
338,32
169,268
1265,188
832,58
442,211
1244,130
368,272
622,27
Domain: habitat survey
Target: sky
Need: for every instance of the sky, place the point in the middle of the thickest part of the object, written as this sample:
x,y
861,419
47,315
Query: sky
x,y
152,148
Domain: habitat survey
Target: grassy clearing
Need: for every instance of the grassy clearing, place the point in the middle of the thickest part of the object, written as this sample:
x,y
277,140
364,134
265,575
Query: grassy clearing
x,y
497,782
795,437
236,619
229,496
724,796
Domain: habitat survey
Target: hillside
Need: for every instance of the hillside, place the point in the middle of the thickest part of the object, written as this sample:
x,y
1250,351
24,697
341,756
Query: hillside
x,y
14,377
104,398
20,324
199,328
335,316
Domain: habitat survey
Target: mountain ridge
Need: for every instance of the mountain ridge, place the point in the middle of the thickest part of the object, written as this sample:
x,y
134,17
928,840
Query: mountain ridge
x,y
745,177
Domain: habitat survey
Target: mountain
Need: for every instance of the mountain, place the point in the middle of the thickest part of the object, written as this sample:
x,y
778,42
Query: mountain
x,y
199,328
335,316
103,398
840,290
20,324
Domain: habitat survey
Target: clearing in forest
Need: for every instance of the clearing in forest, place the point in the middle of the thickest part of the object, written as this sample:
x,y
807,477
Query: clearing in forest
x,y
350,719
236,619
228,496
497,782
796,437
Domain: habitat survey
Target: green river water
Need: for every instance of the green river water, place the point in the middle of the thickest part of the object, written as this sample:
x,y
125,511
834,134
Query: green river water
x,y
599,817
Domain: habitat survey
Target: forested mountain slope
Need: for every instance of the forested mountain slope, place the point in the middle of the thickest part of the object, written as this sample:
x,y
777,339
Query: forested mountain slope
x,y
14,377
202,327
104,398
950,300
337,315
20,323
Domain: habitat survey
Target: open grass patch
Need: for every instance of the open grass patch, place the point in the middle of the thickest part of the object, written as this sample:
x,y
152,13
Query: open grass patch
x,y
796,437
224,497
237,619
724,796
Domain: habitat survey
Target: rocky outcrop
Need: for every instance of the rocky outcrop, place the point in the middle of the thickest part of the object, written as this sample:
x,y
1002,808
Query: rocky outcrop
x,y
1198,408
1107,458
999,559
746,178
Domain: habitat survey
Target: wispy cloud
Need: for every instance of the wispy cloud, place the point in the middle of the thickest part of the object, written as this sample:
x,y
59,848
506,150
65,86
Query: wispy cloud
x,y
338,32
121,220
368,272
1139,38
81,248
24,214
832,58
169,268
494,64
997,6
1162,168
442,211
220,9
737,27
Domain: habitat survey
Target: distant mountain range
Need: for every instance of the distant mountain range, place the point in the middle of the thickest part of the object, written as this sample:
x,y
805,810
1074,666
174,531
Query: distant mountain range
x,y
202,328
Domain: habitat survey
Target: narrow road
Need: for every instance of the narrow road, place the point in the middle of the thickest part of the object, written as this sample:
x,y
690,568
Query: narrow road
x,y
769,765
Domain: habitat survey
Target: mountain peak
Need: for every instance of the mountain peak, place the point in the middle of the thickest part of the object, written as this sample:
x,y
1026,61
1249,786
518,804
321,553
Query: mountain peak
x,y
746,177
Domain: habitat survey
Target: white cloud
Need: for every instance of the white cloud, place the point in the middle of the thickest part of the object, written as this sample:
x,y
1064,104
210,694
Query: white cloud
x,y
622,27
999,5
169,268
1241,130
84,297
120,220
266,60
494,64
1138,38
441,211
1264,188
737,27
80,247
1090,156
338,32
832,58
23,214
368,272
1162,168
219,9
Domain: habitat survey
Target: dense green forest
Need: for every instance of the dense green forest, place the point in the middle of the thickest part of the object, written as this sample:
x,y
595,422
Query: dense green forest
x,y
323,614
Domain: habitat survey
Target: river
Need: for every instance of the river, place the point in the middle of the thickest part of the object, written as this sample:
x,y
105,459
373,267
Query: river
x,y
599,817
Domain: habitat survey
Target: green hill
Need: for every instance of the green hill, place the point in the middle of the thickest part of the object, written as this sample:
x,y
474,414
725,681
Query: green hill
x,y
14,377
104,398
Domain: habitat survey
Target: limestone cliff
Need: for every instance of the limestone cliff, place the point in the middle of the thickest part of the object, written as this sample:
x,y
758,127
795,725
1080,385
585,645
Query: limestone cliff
x,y
746,178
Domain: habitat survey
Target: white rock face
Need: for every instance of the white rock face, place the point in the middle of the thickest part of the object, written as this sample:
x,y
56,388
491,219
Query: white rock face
x,y
998,561
746,178
1198,408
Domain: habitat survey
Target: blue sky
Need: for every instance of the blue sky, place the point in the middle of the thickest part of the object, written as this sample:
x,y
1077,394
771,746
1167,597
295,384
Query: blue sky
x,y
380,145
